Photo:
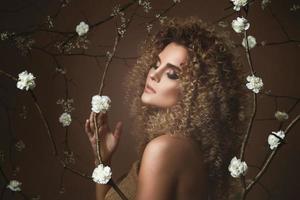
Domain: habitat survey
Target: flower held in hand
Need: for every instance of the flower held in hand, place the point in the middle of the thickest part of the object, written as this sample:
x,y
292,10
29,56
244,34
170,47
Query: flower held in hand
x,y
100,103
102,174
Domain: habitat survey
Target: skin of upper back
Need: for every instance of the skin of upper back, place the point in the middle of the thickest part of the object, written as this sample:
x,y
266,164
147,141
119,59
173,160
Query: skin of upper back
x,y
172,168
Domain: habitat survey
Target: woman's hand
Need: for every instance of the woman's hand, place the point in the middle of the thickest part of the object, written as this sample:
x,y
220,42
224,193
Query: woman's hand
x,y
108,141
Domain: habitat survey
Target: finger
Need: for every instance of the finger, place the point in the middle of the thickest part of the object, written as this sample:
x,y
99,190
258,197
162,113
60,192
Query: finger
x,y
105,118
102,118
118,129
91,120
88,129
99,119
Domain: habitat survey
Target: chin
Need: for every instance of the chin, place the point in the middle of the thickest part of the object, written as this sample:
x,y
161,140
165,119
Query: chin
x,y
146,99
152,101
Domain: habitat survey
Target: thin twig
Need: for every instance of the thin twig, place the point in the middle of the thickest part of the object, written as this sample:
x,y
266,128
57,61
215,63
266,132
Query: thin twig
x,y
268,161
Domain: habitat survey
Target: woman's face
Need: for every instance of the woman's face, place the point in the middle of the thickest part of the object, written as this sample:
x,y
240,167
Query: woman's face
x,y
162,88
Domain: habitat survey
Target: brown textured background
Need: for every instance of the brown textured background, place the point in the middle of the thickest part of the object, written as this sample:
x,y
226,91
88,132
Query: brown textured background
x,y
40,172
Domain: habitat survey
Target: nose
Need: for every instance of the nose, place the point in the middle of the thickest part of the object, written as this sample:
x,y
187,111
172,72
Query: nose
x,y
155,75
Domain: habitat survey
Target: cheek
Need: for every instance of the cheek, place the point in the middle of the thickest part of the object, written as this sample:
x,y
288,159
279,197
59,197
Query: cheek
x,y
170,92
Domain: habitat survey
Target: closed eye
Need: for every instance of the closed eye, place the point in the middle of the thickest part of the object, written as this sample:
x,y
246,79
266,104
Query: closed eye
x,y
173,76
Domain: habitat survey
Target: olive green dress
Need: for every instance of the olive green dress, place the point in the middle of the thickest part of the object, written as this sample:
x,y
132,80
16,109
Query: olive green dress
x,y
127,184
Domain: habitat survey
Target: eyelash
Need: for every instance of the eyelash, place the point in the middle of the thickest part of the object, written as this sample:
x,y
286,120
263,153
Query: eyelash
x,y
172,76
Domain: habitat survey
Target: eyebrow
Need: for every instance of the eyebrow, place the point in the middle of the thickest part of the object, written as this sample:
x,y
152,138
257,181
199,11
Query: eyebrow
x,y
170,65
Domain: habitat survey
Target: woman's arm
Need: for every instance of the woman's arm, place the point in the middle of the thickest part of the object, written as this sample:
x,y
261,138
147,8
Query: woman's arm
x,y
109,143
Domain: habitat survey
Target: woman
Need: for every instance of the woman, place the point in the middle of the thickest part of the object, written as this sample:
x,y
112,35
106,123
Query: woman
x,y
189,103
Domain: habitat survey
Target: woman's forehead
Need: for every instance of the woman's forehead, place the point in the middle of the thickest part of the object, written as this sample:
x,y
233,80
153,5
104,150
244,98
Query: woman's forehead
x,y
175,54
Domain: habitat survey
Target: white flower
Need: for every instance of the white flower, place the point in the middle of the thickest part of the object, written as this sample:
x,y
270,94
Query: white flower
x,y
20,145
251,42
102,174
238,4
149,27
176,1
281,116
4,36
146,5
240,24
100,103
237,167
82,28
26,81
295,7
65,119
14,185
275,141
115,10
265,3
255,83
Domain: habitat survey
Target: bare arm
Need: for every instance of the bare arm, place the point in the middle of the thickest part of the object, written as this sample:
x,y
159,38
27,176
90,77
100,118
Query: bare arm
x,y
109,143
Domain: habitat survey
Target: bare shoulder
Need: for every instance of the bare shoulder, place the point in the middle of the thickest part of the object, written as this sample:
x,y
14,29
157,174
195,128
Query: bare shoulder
x,y
165,162
172,143
171,150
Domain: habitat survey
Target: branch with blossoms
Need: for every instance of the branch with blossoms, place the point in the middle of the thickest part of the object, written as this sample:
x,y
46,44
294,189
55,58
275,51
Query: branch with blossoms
x,y
237,167
64,43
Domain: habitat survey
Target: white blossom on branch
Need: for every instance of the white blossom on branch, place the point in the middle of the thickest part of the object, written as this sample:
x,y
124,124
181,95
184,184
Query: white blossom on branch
x,y
82,28
265,3
149,27
161,18
146,5
14,185
6,35
176,1
66,104
20,145
251,42
50,22
275,139
100,103
116,10
237,167
254,83
102,174
65,119
281,116
238,4
26,81
240,24
295,7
